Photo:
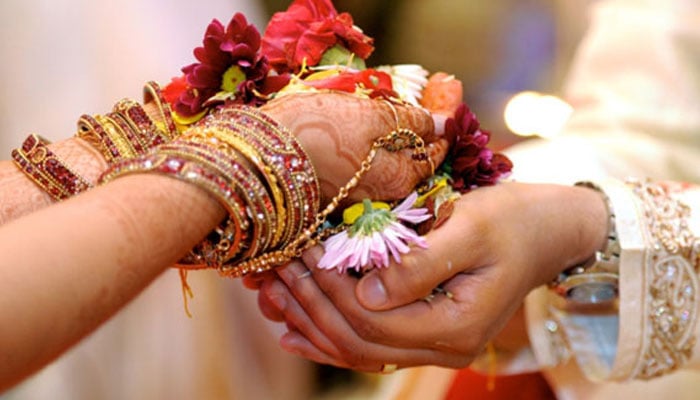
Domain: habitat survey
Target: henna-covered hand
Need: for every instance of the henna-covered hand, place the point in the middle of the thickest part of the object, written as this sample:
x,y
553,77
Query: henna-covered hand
x,y
338,129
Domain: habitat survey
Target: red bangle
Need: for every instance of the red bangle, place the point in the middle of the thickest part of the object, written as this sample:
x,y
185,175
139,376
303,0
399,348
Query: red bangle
x,y
48,171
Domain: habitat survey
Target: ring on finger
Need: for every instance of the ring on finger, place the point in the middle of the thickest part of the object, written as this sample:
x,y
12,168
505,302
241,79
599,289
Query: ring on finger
x,y
304,274
389,368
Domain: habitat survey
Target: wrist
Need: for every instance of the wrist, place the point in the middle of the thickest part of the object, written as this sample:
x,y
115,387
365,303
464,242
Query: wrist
x,y
595,224
81,157
594,280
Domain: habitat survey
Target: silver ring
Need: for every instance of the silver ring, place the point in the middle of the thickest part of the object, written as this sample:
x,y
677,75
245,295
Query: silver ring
x,y
305,274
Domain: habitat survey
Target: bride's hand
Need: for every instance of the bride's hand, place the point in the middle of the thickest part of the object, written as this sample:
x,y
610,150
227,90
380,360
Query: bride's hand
x,y
338,129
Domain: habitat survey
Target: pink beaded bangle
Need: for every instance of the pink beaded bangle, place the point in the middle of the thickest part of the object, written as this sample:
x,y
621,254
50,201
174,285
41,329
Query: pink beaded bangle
x,y
48,171
230,235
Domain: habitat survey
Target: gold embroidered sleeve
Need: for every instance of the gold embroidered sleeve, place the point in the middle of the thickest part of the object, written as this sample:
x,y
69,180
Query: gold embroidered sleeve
x,y
659,283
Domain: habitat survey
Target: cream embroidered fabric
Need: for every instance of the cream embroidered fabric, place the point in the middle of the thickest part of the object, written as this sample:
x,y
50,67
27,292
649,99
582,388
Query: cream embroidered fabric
x,y
655,330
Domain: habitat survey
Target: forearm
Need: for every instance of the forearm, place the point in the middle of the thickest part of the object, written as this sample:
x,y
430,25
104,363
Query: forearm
x,y
63,273
21,196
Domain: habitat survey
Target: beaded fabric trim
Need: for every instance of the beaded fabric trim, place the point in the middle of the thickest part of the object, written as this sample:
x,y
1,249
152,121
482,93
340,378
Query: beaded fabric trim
x,y
670,305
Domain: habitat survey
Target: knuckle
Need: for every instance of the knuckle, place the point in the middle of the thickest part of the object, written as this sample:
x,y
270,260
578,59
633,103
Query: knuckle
x,y
368,332
355,356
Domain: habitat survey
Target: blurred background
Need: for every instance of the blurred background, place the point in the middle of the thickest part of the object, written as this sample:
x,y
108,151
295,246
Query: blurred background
x,y
498,48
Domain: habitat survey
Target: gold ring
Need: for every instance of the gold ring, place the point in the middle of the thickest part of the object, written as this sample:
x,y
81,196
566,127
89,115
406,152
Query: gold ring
x,y
389,368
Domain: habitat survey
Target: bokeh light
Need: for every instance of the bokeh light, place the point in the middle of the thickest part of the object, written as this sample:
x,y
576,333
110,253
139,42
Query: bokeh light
x,y
536,114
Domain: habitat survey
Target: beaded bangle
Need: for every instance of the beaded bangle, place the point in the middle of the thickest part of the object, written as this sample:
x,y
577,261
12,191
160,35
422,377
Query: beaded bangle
x,y
246,184
92,131
254,156
230,234
284,156
121,135
128,131
596,280
148,133
257,192
152,92
48,171
262,176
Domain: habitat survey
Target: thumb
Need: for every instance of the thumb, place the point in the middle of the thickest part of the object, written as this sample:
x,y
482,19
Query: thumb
x,y
455,247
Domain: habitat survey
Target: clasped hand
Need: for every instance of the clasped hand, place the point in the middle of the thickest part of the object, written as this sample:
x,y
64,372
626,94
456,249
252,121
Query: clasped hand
x,y
501,242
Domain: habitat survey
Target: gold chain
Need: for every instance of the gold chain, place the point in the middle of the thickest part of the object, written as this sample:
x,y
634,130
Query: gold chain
x,y
395,141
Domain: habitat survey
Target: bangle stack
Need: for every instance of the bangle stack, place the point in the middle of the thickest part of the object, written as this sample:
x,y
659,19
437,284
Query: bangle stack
x,y
124,133
128,131
254,167
264,179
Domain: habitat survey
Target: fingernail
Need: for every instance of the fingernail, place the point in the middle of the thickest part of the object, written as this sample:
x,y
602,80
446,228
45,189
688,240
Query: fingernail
x,y
372,291
312,256
439,121
279,301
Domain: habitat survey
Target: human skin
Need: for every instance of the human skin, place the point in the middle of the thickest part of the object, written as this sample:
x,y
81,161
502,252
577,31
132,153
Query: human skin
x,y
500,243
68,267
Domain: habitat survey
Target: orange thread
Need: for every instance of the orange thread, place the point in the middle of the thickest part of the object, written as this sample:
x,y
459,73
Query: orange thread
x,y
186,291
491,355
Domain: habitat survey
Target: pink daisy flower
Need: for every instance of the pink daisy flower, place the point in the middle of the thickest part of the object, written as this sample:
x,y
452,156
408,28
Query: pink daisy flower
x,y
374,236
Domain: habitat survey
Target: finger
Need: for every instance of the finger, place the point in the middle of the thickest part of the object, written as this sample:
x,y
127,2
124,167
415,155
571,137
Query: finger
x,y
439,123
416,325
399,173
296,343
254,281
357,352
437,151
457,321
417,119
293,313
455,247
272,300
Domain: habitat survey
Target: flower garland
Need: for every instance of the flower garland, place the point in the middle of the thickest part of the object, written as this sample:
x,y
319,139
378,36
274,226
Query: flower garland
x,y
311,47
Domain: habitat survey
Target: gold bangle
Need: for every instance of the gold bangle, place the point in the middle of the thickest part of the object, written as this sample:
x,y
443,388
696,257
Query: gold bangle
x,y
246,184
254,157
117,135
166,124
230,233
92,131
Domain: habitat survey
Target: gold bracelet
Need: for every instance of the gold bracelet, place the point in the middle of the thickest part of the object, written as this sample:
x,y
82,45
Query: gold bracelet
x,y
166,124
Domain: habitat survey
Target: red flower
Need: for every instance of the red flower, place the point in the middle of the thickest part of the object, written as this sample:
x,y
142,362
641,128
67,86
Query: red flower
x,y
228,61
306,30
175,89
378,83
473,164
